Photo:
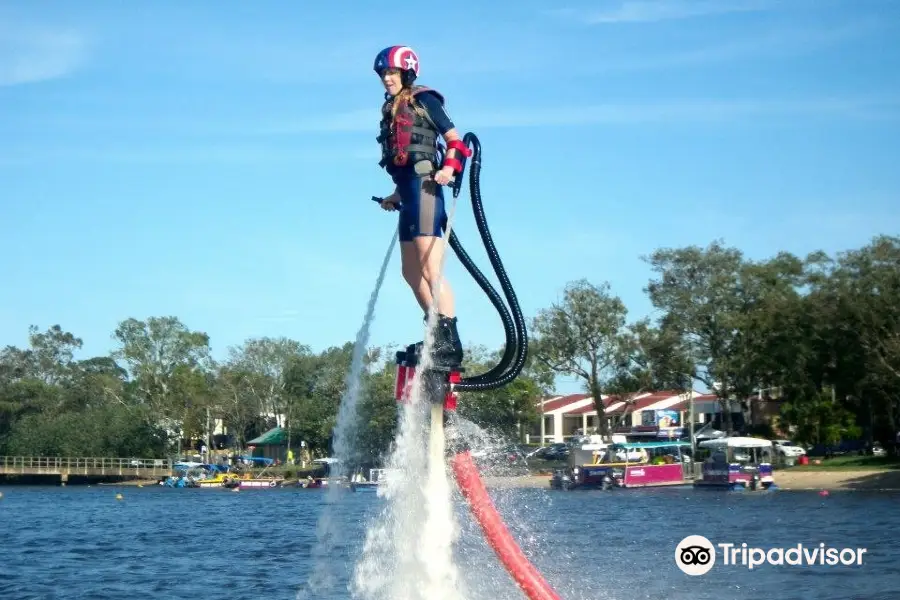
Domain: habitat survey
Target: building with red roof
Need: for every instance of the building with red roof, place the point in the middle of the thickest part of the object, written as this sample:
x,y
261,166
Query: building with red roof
x,y
657,414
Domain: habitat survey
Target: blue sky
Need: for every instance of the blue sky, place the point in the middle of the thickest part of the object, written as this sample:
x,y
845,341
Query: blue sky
x,y
215,160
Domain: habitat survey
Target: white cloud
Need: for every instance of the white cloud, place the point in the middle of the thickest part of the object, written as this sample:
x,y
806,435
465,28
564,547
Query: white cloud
x,y
693,110
345,133
224,153
776,43
30,55
648,11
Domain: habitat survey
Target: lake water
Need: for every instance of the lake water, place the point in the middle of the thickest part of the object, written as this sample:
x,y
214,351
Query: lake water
x,y
162,543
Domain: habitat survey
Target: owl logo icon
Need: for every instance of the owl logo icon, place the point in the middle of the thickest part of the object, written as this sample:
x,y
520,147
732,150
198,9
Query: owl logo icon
x,y
695,555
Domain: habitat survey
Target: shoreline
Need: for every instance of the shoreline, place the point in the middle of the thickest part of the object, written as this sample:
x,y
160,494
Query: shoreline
x,y
864,480
871,480
130,483
874,480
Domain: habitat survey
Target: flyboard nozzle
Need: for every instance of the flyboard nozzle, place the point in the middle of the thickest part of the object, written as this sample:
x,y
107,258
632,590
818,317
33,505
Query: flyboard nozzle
x,y
438,383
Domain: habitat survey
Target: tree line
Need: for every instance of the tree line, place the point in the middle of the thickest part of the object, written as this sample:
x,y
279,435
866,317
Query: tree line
x,y
820,332
160,390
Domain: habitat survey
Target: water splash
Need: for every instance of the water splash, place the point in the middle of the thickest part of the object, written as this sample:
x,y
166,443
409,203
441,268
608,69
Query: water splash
x,y
346,418
408,550
322,577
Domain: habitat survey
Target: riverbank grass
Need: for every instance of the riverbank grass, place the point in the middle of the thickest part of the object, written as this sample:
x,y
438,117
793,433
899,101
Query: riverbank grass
x,y
851,463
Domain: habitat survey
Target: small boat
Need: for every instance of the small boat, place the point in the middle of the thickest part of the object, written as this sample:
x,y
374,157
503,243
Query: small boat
x,y
738,464
363,486
225,480
265,483
179,481
311,483
377,478
626,465
258,482
187,475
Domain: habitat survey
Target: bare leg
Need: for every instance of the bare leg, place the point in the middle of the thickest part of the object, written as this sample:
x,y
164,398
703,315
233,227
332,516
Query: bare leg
x,y
412,273
431,252
421,263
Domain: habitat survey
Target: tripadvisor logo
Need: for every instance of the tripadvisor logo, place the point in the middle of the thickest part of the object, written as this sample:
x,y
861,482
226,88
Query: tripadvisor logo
x,y
696,555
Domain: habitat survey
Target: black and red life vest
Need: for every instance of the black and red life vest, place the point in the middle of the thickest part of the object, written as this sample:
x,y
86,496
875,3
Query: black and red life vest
x,y
407,137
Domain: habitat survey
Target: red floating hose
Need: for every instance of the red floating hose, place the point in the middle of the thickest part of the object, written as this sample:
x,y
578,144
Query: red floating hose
x,y
498,536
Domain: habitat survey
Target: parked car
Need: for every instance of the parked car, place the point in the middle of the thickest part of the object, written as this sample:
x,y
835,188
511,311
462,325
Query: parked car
x,y
551,452
788,449
536,452
843,447
557,452
576,441
510,454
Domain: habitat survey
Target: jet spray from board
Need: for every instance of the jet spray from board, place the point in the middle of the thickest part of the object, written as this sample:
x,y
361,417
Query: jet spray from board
x,y
408,550
322,578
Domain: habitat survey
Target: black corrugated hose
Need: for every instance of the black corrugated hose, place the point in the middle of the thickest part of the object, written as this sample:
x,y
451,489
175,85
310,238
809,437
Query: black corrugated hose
x,y
516,336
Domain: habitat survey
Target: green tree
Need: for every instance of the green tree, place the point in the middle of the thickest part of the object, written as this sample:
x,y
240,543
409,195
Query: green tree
x,y
157,352
316,384
51,356
698,291
95,382
584,336
650,359
376,423
857,294
819,420
33,380
238,403
113,430
510,410
263,363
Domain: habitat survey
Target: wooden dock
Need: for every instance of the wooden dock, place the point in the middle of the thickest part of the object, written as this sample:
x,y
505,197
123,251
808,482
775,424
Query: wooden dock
x,y
94,467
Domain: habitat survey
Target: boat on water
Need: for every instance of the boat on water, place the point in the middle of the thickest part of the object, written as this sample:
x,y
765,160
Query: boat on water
x,y
257,483
192,475
323,475
181,480
377,478
626,465
219,480
356,483
737,464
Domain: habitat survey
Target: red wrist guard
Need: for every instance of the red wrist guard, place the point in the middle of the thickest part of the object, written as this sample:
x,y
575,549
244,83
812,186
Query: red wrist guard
x,y
455,163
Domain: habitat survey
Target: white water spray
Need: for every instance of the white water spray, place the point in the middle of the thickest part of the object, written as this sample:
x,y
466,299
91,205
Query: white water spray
x,y
346,418
408,551
327,531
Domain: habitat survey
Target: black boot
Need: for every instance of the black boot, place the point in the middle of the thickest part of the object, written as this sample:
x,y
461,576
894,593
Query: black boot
x,y
447,351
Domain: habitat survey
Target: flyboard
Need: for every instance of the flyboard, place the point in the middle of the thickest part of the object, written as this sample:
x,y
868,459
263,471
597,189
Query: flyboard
x,y
441,387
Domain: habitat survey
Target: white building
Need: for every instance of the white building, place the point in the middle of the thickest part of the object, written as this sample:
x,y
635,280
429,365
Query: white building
x,y
575,414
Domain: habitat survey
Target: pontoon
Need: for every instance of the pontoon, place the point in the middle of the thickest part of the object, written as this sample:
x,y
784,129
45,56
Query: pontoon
x,y
626,465
737,463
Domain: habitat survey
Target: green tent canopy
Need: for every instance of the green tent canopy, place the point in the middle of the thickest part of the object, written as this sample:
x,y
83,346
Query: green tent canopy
x,y
273,437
